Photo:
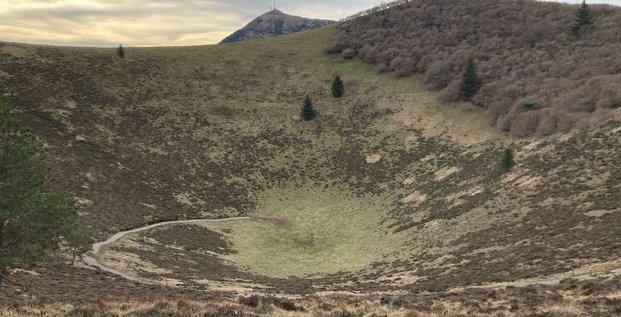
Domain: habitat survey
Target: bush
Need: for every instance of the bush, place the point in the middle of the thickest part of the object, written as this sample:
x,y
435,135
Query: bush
x,y
525,123
282,303
529,104
508,161
348,53
439,75
251,301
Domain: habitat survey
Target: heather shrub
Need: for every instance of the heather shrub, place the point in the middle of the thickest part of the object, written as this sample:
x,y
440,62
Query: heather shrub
x,y
525,123
348,53
552,121
452,92
381,68
439,75
524,51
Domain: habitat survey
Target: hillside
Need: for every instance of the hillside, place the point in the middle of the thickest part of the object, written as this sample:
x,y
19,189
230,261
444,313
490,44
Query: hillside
x,y
537,78
391,199
274,23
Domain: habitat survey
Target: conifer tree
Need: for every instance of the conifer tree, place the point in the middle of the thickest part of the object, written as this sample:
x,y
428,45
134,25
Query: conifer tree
x,y
120,52
508,160
308,113
337,87
470,82
33,218
584,19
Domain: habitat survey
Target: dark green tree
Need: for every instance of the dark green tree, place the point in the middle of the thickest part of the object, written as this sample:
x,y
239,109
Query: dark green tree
x,y
584,20
308,113
120,52
470,82
33,219
508,160
337,87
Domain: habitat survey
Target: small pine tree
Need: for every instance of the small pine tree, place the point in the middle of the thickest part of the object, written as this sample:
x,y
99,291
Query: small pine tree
x,y
508,160
308,113
337,87
120,52
470,82
583,20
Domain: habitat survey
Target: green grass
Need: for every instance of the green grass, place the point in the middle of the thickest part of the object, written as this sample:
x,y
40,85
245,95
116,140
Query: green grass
x,y
323,231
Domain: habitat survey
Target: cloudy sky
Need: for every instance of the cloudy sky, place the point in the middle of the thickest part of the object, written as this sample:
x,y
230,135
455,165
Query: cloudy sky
x,y
152,22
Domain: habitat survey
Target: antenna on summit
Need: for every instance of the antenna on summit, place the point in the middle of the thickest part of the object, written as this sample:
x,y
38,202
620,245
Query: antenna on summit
x,y
274,6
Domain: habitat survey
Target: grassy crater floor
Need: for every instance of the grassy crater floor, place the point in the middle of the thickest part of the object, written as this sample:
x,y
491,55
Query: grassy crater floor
x,y
296,231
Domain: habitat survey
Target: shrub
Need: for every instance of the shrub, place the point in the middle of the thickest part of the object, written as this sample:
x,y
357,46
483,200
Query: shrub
x,y
508,160
525,123
285,304
282,303
251,301
529,104
439,75
348,53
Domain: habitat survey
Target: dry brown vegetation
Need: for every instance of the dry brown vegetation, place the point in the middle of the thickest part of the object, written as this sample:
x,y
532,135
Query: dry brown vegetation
x,y
524,50
600,298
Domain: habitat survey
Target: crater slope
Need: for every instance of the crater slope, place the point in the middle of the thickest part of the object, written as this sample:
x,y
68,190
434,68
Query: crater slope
x,y
387,190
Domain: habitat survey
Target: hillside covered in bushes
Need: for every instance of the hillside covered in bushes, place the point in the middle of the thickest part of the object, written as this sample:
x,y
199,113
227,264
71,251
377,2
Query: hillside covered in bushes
x,y
537,78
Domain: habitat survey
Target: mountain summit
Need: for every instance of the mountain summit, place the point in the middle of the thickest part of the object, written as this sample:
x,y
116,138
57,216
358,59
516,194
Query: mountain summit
x,y
274,23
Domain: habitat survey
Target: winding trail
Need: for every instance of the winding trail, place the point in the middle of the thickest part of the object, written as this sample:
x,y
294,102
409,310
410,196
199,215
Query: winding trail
x,y
92,260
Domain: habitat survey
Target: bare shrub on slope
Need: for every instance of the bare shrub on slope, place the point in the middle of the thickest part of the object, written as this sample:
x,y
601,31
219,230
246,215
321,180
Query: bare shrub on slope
x,y
524,52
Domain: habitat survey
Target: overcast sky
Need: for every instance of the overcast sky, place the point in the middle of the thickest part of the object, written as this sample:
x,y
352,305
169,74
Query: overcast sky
x,y
152,22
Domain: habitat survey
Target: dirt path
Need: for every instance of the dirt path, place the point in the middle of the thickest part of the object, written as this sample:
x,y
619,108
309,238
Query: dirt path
x,y
91,258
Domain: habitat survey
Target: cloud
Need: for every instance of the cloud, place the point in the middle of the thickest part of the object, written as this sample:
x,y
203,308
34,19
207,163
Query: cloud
x,y
109,22
150,22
